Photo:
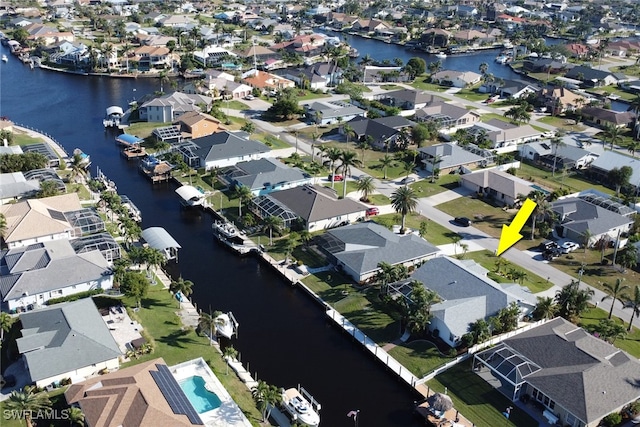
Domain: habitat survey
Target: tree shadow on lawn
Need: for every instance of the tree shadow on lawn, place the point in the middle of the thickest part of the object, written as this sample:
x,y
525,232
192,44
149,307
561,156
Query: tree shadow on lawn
x,y
367,320
178,339
149,303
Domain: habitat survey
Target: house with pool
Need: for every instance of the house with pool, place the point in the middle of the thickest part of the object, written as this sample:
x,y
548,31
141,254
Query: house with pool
x,y
152,394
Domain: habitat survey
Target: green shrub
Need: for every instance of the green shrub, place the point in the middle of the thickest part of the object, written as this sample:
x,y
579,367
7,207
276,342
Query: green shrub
x,y
612,420
75,297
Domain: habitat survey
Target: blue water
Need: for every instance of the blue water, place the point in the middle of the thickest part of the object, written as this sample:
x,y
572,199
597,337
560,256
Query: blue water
x,y
202,399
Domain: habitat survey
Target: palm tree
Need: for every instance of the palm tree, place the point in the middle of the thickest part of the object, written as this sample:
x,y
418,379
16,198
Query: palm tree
x,y
366,186
386,161
573,301
244,194
480,331
154,258
266,396
348,131
404,201
78,168
333,154
76,416
634,305
587,235
347,160
435,171
556,143
26,402
615,293
612,134
364,145
229,355
542,209
185,287
633,147
483,67
385,275
418,310
3,229
272,223
545,309
6,320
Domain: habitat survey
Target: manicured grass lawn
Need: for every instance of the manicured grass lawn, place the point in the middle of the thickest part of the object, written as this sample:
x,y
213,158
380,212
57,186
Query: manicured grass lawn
x,y
235,105
144,129
83,192
424,187
574,182
477,400
490,116
488,260
471,94
424,84
368,313
20,138
613,90
419,357
630,343
272,141
390,87
339,186
561,122
379,200
312,95
175,344
329,285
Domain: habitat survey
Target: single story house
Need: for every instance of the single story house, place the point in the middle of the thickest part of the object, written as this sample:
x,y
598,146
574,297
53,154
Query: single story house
x,y
264,176
68,340
509,88
592,77
14,186
409,99
318,76
326,113
357,249
378,134
607,161
568,156
506,136
32,275
500,186
605,117
267,81
577,378
169,108
448,157
575,215
454,78
466,295
314,206
450,116
222,149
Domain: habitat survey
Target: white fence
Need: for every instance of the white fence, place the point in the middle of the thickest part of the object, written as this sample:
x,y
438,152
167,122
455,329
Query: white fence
x,y
499,338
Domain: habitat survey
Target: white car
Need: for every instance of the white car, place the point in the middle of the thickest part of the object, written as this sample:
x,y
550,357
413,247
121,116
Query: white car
x,y
569,247
249,97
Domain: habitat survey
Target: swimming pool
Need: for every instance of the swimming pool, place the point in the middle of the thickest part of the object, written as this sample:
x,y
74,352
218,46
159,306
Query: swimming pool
x,y
202,399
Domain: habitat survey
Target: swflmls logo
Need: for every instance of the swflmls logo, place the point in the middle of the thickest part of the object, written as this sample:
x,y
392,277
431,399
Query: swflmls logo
x,y
48,414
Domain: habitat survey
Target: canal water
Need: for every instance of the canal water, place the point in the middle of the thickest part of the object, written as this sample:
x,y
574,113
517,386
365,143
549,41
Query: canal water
x,y
283,334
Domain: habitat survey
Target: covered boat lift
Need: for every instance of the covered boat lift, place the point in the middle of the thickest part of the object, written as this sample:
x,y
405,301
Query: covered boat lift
x,y
190,195
158,238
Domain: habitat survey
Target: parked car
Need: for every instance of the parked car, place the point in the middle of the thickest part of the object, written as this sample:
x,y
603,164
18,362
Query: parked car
x,y
373,211
407,180
552,253
249,97
569,247
548,245
462,221
336,178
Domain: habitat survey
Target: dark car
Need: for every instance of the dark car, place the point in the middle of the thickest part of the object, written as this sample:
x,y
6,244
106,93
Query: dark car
x,y
407,180
548,245
552,253
462,221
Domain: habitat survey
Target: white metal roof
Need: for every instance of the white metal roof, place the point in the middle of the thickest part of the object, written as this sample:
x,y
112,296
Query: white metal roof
x,y
159,238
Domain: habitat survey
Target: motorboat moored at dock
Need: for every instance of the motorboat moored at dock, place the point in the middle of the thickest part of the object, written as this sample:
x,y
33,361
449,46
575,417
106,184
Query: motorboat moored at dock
x,y
225,229
113,116
301,406
226,325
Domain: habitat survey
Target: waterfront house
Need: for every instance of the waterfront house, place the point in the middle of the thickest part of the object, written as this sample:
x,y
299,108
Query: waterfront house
x,y
51,218
222,149
575,378
133,396
603,117
311,207
306,45
264,176
501,187
318,76
152,57
259,53
466,295
170,107
380,74
543,65
453,78
194,125
369,26
46,34
358,249
603,219
409,99
449,116
69,340
448,157
212,56
592,77
183,22
435,37
32,275
330,112
15,186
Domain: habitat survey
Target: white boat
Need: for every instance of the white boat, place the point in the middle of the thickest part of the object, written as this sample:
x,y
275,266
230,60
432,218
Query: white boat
x,y
441,55
5,58
113,116
296,401
226,325
225,229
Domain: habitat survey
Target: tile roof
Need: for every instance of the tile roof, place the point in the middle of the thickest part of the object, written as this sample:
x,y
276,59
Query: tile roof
x,y
64,338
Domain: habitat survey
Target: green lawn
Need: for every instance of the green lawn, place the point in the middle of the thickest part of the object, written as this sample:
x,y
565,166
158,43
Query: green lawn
x,y
561,122
419,357
471,94
425,188
630,343
235,105
424,84
370,315
144,129
574,182
272,141
488,260
477,400
175,344
20,138
490,116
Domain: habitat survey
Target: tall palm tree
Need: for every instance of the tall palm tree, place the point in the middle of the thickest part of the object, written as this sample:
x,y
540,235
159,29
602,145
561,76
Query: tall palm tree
x,y
154,258
615,293
612,134
229,354
348,131
333,155
78,168
546,308
185,287
385,275
404,201
6,320
244,195
435,170
480,331
347,160
366,186
76,416
364,145
26,402
386,161
633,147
556,143
3,229
266,396
272,223
634,305
542,208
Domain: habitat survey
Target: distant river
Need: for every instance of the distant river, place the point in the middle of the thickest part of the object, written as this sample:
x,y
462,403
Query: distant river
x,y
283,335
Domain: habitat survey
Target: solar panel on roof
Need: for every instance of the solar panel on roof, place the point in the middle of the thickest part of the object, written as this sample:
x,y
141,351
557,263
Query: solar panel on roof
x,y
168,132
174,395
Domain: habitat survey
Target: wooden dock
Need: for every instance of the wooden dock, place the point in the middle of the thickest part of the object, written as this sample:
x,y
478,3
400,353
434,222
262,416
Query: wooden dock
x,y
133,152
